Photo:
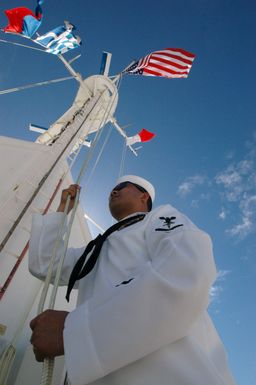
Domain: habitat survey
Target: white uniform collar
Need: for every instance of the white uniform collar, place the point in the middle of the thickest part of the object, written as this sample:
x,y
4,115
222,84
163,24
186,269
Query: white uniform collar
x,y
133,214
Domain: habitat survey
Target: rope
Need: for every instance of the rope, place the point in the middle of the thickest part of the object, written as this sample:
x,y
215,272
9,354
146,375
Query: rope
x,y
10,90
106,139
5,363
49,363
119,80
61,227
8,355
99,156
121,170
22,45
60,264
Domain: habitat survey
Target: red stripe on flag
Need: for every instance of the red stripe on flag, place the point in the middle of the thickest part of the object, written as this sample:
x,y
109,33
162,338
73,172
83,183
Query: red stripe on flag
x,y
159,73
169,62
166,69
182,59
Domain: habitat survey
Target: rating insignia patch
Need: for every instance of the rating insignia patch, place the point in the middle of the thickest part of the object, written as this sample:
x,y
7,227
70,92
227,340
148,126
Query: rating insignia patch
x,y
168,222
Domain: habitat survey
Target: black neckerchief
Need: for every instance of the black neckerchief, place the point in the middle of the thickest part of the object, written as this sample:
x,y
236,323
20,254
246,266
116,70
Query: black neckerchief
x,y
81,269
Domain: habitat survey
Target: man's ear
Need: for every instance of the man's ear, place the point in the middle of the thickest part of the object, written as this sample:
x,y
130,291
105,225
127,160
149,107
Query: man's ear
x,y
145,197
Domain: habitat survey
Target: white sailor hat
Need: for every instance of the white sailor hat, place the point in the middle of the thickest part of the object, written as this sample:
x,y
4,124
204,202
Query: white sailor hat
x,y
140,182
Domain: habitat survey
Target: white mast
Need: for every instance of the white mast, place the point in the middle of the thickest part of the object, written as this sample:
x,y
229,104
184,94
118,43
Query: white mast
x,y
32,174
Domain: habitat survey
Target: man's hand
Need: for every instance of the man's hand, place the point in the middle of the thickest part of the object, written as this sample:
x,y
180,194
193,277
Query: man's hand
x,y
72,190
47,335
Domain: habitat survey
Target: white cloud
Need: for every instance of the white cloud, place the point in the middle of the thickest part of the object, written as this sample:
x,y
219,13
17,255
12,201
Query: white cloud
x,y
205,196
236,179
241,229
222,214
241,189
217,288
238,184
215,292
222,274
248,210
235,187
189,184
245,166
229,178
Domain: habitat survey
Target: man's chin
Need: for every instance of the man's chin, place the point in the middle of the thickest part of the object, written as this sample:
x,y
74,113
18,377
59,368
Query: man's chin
x,y
115,209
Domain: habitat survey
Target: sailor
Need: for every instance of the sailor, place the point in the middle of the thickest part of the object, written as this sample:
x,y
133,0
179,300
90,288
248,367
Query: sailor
x,y
143,295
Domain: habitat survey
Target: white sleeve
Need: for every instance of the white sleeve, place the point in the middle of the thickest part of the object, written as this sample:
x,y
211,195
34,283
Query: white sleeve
x,y
44,232
155,309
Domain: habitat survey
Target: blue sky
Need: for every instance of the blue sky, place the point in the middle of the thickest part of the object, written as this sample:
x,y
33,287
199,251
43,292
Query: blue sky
x,y
203,158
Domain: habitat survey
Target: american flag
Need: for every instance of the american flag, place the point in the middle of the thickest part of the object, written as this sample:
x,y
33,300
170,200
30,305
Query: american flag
x,y
169,63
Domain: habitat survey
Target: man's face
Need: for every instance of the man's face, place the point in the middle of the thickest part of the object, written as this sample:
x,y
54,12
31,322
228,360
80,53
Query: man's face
x,y
126,199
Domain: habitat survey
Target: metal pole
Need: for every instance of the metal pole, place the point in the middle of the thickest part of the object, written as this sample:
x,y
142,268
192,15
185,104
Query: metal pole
x,y
121,131
75,74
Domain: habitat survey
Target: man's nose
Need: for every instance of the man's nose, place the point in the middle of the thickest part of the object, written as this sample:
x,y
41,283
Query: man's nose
x,y
113,193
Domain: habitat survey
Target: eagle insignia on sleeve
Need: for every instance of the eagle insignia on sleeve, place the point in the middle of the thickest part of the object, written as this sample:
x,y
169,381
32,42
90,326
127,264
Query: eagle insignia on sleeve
x,y
169,223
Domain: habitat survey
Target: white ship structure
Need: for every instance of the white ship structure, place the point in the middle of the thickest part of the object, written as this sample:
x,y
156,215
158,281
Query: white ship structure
x,y
32,178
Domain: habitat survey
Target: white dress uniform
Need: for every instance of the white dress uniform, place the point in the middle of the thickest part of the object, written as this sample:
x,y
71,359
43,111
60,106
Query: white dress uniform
x,y
142,315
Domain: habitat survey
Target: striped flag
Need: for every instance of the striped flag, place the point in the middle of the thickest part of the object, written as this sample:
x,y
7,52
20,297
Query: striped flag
x,y
46,39
60,39
168,63
64,43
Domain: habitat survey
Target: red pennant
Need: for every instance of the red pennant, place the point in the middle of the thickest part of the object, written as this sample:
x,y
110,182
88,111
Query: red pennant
x,y
145,135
